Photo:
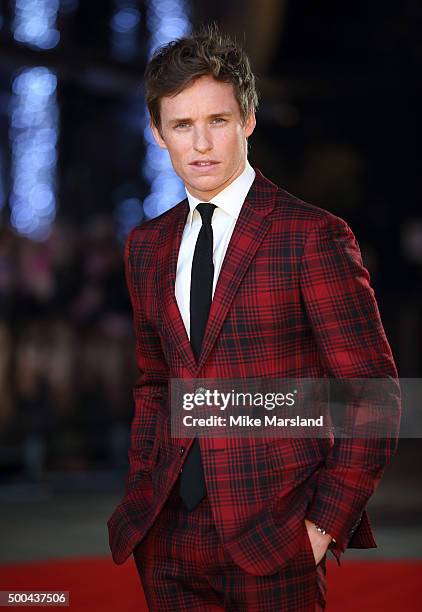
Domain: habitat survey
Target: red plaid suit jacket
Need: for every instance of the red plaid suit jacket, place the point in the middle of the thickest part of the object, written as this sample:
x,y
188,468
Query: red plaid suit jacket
x,y
292,300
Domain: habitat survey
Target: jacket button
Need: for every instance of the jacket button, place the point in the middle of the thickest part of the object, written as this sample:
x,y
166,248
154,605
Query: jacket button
x,y
182,450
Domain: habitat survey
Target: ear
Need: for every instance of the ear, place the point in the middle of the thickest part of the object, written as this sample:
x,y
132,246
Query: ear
x,y
250,124
157,135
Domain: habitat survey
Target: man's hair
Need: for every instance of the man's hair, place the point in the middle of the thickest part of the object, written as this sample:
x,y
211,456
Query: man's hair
x,y
179,63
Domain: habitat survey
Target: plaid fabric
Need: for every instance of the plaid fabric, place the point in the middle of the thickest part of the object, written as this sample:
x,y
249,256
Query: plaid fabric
x,y
182,566
292,300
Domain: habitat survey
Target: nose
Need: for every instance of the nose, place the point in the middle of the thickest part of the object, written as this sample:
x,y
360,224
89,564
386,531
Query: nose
x,y
202,140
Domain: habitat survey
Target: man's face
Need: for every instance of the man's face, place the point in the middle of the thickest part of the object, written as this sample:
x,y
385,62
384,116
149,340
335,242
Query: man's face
x,y
202,129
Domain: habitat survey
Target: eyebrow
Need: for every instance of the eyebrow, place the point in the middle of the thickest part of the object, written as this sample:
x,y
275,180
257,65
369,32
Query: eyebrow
x,y
188,119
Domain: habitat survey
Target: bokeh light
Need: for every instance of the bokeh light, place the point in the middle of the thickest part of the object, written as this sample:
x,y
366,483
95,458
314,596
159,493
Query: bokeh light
x,y
33,137
166,20
34,23
124,26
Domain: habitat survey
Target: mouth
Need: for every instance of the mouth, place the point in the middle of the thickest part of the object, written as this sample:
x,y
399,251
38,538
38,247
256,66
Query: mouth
x,y
209,163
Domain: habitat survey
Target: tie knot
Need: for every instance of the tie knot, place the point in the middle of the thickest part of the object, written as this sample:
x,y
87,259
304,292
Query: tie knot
x,y
206,210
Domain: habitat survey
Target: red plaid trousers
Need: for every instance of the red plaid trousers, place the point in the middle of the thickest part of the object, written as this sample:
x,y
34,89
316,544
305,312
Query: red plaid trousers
x,y
182,566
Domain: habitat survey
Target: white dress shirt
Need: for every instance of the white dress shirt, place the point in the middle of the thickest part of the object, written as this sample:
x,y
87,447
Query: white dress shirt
x,y
229,203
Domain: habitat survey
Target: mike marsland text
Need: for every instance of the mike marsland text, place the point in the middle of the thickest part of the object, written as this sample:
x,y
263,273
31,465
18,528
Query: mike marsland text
x,y
247,421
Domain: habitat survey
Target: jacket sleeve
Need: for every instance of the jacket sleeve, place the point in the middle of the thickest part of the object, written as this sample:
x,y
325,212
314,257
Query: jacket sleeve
x,y
346,324
150,388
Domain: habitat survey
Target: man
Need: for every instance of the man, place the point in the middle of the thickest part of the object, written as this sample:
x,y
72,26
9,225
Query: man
x,y
240,280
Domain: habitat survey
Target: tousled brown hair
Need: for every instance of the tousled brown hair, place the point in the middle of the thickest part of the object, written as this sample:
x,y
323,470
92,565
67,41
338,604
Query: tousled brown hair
x,y
179,63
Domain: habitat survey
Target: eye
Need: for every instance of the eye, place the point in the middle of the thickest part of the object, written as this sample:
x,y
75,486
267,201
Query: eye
x,y
219,120
181,125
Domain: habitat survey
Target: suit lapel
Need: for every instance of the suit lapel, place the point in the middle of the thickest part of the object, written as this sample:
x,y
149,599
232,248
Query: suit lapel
x,y
249,232
171,237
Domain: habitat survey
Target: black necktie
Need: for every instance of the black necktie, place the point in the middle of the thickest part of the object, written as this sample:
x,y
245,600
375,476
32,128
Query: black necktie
x,y
192,482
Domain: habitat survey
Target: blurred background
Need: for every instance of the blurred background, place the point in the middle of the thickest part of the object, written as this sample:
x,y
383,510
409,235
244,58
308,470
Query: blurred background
x,y
337,126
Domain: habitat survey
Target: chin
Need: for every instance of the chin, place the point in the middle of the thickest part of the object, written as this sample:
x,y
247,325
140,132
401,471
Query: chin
x,y
206,186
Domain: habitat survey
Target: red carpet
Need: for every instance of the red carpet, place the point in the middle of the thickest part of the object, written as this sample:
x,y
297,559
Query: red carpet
x,y
98,584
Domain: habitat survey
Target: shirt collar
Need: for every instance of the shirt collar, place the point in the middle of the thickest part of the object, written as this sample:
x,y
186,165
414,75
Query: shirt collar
x,y
229,199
